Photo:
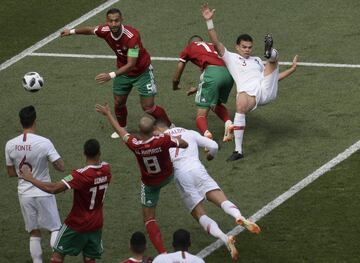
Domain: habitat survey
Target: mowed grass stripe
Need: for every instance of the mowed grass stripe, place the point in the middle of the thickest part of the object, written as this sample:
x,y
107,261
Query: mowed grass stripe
x,y
285,196
56,34
319,224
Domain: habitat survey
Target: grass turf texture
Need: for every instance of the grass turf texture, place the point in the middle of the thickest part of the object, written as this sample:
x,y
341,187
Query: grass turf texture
x,y
313,119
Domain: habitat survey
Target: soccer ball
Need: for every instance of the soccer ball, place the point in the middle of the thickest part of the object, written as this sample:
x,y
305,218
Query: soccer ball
x,y
32,81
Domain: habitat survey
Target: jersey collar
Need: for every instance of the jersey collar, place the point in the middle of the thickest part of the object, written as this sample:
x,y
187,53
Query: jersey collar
x,y
117,38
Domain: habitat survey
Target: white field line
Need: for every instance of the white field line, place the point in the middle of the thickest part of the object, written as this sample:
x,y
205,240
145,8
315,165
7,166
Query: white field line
x,y
56,34
64,55
286,195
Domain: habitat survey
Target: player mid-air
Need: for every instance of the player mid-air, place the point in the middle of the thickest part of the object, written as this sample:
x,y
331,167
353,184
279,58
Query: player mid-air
x,y
134,67
195,184
256,84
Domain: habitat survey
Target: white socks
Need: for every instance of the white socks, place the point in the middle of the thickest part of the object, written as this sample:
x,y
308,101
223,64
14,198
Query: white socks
x,y
274,55
239,123
231,209
35,249
53,237
212,228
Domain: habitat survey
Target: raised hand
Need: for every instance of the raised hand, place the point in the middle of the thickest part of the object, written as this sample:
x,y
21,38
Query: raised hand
x,y
207,13
103,109
294,62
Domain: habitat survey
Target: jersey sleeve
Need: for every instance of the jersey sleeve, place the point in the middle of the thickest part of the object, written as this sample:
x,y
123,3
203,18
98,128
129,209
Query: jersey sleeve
x,y
134,46
170,142
9,161
204,142
184,55
131,141
73,180
52,154
101,31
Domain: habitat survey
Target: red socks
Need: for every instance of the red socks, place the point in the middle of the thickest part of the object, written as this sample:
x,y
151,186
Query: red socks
x,y
155,235
158,113
201,123
121,115
222,112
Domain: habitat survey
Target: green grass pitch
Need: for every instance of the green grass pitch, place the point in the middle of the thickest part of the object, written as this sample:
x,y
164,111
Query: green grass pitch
x,y
315,117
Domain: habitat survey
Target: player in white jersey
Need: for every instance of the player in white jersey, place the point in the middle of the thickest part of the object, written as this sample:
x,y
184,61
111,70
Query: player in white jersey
x,y
181,244
255,84
195,184
38,208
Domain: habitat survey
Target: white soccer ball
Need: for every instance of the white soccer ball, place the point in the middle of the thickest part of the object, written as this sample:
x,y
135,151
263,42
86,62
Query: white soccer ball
x,y
32,81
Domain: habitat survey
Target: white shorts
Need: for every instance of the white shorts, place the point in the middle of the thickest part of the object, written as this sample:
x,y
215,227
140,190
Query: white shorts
x,y
40,212
193,186
269,88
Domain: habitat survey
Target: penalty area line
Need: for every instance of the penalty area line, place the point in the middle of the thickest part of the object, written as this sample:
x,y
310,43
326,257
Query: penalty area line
x,y
90,56
285,196
56,34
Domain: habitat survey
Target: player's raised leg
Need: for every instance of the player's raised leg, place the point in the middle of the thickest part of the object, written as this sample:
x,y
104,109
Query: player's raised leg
x,y
202,123
212,228
218,198
149,106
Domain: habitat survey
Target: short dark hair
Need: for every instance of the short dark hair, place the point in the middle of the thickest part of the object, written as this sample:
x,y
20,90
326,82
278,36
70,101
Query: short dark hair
x,y
161,123
194,37
138,242
113,11
91,148
244,37
27,116
181,240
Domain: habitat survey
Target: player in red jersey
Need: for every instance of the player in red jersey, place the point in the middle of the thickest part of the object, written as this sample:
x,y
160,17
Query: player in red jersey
x,y
81,231
152,154
214,87
138,247
133,66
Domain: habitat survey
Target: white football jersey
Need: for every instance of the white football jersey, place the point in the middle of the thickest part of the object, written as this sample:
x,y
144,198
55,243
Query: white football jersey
x,y
246,72
178,257
188,158
35,151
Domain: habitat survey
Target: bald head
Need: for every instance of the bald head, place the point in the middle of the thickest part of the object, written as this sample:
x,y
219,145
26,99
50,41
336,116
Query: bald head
x,y
146,125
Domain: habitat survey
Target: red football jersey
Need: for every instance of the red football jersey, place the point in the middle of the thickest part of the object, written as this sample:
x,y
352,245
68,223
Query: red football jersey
x,y
153,157
90,184
201,54
129,38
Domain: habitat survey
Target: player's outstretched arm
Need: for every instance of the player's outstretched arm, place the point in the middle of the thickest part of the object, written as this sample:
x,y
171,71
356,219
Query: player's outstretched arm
x,y
105,110
104,77
88,30
49,187
208,14
177,76
289,71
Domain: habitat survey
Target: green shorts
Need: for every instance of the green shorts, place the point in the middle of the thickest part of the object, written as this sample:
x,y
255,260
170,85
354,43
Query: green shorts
x,y
145,84
214,87
70,242
149,195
